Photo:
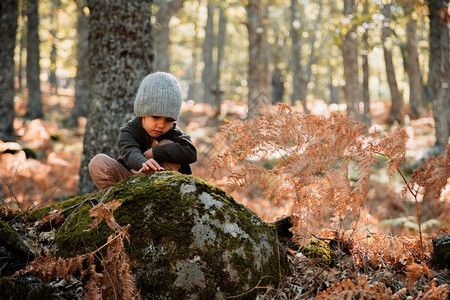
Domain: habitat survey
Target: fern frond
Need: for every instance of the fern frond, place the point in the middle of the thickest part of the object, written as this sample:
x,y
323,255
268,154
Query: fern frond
x,y
433,175
347,289
435,292
381,250
393,146
115,281
315,154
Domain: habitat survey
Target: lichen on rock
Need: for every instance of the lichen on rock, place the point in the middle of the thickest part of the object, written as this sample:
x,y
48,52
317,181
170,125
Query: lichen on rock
x,y
188,239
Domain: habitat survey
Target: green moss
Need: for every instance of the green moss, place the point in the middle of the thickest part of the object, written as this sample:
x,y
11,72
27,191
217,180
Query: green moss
x,y
8,288
9,236
27,289
319,251
80,239
38,213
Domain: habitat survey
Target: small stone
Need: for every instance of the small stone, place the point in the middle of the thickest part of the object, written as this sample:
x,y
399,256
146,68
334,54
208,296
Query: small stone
x,y
441,251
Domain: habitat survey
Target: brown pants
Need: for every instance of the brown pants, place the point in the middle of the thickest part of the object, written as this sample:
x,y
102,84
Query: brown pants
x,y
107,171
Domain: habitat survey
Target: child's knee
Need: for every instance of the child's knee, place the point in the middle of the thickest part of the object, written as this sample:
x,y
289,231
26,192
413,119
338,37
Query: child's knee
x,y
97,161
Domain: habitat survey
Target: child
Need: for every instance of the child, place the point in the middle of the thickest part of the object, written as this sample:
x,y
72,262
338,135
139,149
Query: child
x,y
151,141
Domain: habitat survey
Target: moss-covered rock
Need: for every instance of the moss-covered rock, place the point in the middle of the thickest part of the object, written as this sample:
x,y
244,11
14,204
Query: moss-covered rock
x,y
13,253
24,288
189,239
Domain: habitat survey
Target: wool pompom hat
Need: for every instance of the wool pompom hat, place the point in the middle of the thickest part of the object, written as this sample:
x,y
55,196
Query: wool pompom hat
x,y
159,94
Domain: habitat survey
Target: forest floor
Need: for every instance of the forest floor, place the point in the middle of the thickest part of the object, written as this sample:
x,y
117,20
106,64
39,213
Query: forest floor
x,y
46,171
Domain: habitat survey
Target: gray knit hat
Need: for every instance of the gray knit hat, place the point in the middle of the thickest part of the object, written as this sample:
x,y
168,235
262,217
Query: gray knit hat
x,y
158,95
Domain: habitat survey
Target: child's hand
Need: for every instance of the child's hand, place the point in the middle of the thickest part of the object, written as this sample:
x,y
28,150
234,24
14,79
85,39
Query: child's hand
x,y
150,165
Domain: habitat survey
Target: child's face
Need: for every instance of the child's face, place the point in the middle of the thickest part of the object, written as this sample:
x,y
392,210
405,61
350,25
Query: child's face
x,y
156,126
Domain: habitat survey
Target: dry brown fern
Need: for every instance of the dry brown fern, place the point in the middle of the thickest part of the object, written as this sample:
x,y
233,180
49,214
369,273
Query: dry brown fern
x,y
381,251
115,280
323,163
431,177
435,292
415,272
47,267
360,288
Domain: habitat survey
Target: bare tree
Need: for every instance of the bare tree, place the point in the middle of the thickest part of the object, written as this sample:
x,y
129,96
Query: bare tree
x,y
298,84
82,94
258,66
192,72
54,6
367,119
412,63
208,44
395,113
439,75
350,57
22,32
161,34
120,56
313,53
221,36
277,85
34,108
8,28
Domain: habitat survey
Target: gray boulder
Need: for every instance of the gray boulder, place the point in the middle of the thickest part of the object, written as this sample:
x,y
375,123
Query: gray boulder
x,y
189,239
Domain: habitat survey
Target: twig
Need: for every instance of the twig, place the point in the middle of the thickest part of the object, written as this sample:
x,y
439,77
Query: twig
x,y
417,204
417,211
12,193
252,289
120,234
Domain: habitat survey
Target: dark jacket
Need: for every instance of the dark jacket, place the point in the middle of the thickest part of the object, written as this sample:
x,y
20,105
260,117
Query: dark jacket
x,y
134,141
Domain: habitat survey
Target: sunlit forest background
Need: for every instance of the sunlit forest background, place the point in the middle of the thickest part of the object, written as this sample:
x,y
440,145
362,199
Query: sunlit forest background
x,y
69,71
208,50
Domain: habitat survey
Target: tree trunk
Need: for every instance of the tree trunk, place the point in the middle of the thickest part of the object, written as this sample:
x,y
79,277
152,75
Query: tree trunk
x,y
55,6
298,83
120,56
82,95
34,108
350,57
161,36
207,74
395,113
8,28
22,33
367,119
221,36
258,67
412,65
312,54
439,75
277,85
52,68
192,72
